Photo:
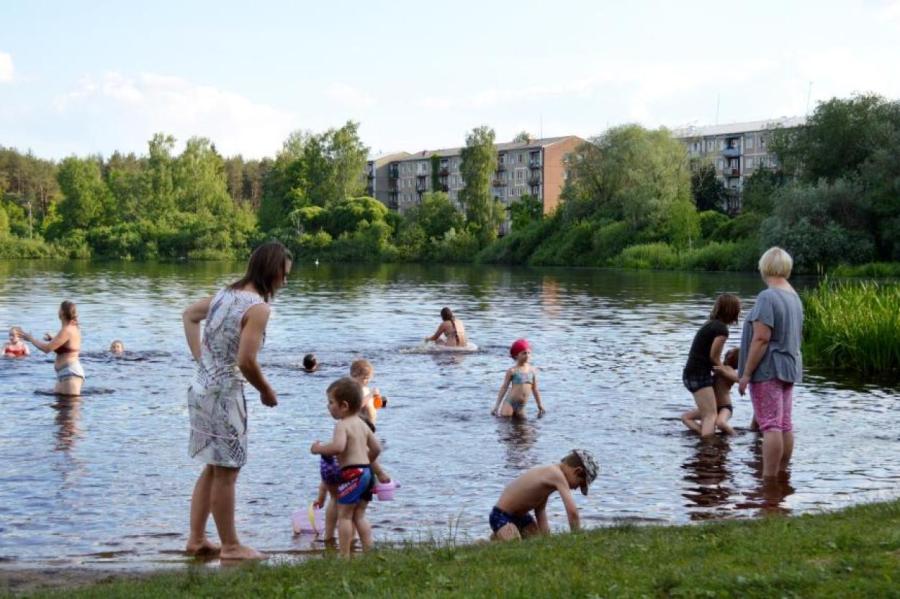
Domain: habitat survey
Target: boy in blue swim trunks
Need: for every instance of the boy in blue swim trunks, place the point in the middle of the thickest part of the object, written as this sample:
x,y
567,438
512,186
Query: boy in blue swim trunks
x,y
511,518
355,445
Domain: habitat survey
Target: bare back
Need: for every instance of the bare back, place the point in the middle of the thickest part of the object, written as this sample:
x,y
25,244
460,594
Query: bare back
x,y
356,452
531,490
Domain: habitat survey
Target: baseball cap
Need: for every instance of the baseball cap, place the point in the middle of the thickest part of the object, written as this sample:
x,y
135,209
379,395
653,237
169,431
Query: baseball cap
x,y
590,467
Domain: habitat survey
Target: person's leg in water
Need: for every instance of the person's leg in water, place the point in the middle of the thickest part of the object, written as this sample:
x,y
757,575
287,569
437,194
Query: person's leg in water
x,y
722,389
787,426
362,526
691,419
722,419
70,385
198,543
706,405
222,508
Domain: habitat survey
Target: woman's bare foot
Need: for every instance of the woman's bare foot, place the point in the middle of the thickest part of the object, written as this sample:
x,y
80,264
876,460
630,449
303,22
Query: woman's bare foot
x,y
240,552
204,547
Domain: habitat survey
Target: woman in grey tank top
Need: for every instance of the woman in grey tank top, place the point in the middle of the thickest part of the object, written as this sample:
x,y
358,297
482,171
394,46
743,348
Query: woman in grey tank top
x,y
770,360
235,328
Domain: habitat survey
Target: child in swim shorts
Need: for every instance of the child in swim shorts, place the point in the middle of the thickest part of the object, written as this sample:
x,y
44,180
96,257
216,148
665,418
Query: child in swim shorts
x,y
512,517
355,447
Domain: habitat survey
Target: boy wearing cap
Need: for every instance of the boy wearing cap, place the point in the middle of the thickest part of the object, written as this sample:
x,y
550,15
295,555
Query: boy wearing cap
x,y
511,518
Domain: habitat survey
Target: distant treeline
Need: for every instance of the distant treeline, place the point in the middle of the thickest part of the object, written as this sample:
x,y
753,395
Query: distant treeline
x,y
632,198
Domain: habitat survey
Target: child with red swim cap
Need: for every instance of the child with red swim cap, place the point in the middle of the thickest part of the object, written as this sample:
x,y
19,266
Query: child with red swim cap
x,y
521,381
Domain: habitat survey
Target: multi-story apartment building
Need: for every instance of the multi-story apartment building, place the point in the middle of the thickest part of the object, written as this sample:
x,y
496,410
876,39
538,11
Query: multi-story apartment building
x,y
535,168
378,181
737,149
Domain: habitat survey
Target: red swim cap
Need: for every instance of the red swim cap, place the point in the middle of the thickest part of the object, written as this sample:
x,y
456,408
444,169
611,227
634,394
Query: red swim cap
x,y
518,346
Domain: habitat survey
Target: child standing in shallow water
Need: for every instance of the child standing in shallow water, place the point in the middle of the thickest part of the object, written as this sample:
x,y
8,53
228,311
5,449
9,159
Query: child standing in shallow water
x,y
521,381
362,371
704,356
355,446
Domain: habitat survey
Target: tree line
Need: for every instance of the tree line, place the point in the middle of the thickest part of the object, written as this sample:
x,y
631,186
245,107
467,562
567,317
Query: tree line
x,y
632,198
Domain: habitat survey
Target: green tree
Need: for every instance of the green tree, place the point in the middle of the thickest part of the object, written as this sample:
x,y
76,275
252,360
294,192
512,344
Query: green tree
x,y
435,215
526,210
85,194
708,191
478,165
523,137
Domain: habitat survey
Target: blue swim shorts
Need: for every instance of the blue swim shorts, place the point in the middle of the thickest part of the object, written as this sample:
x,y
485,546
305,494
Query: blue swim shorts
x,y
499,519
356,484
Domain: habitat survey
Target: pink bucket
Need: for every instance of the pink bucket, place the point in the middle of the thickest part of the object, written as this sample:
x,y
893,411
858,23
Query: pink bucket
x,y
308,521
385,491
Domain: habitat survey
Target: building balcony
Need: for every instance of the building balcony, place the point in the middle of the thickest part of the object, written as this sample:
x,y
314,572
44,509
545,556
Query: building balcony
x,y
499,183
534,181
501,167
421,187
731,152
444,172
394,171
732,171
370,191
443,187
534,164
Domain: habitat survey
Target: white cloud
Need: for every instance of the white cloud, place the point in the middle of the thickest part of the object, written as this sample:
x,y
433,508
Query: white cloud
x,y
349,96
136,107
6,67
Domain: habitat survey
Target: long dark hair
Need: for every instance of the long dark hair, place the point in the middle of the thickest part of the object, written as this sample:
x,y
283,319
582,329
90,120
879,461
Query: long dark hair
x,y
266,268
447,314
69,311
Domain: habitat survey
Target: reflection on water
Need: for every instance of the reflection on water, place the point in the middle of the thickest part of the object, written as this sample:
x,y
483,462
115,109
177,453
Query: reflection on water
x,y
105,479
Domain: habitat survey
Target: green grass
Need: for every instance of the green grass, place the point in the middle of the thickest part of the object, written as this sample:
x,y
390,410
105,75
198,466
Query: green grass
x,y
853,326
870,270
851,553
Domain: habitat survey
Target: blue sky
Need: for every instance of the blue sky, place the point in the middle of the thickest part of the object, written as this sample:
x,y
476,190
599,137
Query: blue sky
x,y
93,77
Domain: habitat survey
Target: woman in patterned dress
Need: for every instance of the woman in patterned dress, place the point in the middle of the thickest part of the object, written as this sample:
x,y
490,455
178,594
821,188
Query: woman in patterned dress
x,y
235,328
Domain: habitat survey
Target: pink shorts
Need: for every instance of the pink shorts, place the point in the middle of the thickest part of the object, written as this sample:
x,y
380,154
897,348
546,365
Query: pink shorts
x,y
772,402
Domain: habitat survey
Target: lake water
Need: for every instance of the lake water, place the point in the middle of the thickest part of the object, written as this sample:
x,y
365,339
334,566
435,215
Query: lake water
x,y
105,480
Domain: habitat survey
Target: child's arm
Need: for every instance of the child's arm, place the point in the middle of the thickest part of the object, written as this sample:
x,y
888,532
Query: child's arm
x,y
62,337
437,333
503,388
320,498
715,350
537,395
337,445
540,514
565,494
726,372
379,472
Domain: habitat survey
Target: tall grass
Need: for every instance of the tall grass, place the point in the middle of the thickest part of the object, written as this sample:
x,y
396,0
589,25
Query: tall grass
x,y
853,326
868,270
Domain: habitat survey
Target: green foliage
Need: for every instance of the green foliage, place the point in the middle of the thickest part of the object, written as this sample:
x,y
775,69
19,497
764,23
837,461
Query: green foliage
x,y
654,256
708,191
721,256
519,245
853,326
525,211
682,224
16,247
86,197
4,222
609,241
807,223
758,189
869,270
435,215
710,222
478,162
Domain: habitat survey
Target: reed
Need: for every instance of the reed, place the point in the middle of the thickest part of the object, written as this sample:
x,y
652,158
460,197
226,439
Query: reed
x,y
853,326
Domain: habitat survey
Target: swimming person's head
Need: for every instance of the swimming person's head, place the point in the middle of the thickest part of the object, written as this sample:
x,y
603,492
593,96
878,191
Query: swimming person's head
x,y
580,469
310,363
267,269
726,309
117,347
344,398
732,356
68,312
446,313
361,371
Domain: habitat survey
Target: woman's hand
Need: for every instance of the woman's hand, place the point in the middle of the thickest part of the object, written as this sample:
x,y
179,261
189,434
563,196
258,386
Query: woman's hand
x,y
268,398
742,384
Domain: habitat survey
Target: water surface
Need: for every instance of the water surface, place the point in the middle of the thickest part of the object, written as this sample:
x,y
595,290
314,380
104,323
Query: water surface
x,y
106,480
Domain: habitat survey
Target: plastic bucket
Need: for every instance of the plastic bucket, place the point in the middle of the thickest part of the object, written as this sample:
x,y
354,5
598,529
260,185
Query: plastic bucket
x,y
310,520
385,491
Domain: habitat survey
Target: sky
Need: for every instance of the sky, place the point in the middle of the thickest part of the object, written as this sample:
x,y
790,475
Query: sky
x,y
95,77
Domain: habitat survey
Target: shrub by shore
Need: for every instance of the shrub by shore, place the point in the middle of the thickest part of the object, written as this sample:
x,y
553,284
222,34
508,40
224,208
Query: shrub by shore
x,y
850,553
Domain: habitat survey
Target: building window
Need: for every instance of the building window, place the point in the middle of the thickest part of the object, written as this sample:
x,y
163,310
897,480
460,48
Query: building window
x,y
749,142
749,161
521,158
720,164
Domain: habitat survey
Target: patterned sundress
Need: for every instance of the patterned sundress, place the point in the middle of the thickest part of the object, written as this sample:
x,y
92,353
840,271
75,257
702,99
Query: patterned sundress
x,y
216,402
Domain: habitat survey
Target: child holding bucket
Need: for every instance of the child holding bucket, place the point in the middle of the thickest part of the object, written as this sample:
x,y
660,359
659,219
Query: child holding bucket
x,y
521,381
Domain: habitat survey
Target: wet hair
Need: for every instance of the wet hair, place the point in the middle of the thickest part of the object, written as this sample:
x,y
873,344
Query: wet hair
x,y
726,309
447,314
69,311
310,362
113,344
346,390
776,262
361,368
266,269
732,356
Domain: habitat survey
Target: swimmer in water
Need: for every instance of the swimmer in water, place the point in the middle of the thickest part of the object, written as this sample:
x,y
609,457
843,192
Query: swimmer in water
x,y
521,381
16,348
67,345
117,348
452,329
310,363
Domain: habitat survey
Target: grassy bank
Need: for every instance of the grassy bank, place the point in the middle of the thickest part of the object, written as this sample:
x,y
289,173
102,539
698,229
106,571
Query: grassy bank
x,y
853,326
855,552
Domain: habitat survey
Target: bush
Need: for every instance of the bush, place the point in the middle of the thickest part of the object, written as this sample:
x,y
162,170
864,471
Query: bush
x,y
873,270
710,221
656,256
12,247
743,226
713,256
519,246
609,241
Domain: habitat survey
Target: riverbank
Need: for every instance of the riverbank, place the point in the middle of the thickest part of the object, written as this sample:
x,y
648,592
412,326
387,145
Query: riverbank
x,y
850,553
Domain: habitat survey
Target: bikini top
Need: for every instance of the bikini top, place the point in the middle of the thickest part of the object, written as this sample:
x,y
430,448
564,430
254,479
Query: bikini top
x,y
65,349
15,351
522,378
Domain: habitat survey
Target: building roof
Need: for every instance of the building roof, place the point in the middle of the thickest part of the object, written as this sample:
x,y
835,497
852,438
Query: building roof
x,y
385,158
736,128
501,147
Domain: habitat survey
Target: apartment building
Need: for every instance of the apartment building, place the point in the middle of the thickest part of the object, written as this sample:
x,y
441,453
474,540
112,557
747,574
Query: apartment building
x,y
737,149
535,167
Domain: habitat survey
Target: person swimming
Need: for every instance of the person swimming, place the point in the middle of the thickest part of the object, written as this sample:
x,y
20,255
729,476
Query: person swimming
x,y
310,363
452,329
16,348
117,348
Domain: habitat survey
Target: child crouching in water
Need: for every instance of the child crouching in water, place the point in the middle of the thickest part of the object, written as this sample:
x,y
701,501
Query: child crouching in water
x,y
355,447
511,518
521,380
